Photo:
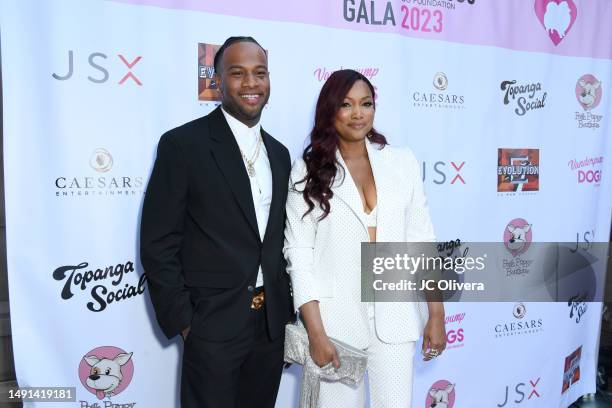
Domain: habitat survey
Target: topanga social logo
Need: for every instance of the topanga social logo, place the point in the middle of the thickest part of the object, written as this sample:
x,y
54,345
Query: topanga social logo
x,y
557,17
106,372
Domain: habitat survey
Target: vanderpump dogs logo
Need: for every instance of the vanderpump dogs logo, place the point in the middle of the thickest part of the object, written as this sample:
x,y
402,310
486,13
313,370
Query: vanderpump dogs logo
x,y
587,170
207,86
589,91
518,170
439,96
521,325
106,372
525,97
441,395
106,284
557,17
99,180
455,334
571,371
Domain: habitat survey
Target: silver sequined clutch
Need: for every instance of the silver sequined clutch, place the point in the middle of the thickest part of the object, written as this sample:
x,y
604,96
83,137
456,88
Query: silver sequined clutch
x,y
353,364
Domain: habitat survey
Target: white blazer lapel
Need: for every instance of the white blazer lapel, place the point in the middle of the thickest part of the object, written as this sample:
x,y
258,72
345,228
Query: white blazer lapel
x,y
384,187
345,189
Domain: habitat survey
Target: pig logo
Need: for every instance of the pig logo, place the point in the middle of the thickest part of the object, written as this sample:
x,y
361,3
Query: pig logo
x,y
557,17
517,236
106,371
588,92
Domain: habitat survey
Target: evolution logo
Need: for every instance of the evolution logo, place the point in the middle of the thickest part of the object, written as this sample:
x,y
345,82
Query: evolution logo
x,y
441,171
528,97
588,170
571,373
97,62
440,99
100,161
519,326
207,86
106,372
557,17
441,395
108,283
454,336
519,392
518,170
588,93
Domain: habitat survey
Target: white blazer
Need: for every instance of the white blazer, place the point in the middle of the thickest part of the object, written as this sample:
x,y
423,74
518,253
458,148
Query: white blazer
x,y
324,256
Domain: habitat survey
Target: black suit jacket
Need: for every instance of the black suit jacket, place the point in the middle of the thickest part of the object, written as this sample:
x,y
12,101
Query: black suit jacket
x,y
199,241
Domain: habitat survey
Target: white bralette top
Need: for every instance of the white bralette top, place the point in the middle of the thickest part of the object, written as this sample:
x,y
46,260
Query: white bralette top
x,y
371,217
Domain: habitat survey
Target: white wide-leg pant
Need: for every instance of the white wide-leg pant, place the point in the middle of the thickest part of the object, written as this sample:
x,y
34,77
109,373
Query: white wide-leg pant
x,y
389,375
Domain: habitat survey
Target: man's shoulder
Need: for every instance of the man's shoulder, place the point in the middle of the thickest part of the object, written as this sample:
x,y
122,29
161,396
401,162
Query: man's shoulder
x,y
275,143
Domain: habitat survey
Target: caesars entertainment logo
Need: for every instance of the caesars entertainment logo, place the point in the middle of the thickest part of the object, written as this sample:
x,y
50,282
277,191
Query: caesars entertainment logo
x,y
518,170
439,96
441,394
571,370
207,86
557,17
99,180
106,285
101,68
106,372
521,325
524,97
589,92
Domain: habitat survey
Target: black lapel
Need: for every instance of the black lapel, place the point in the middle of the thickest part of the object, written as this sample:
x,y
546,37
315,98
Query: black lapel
x,y
278,183
227,155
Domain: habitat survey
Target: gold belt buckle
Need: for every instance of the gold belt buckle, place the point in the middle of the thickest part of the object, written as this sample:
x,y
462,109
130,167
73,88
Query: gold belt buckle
x,y
258,301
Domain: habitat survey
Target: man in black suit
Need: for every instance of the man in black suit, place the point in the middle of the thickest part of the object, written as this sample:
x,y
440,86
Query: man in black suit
x,y
212,237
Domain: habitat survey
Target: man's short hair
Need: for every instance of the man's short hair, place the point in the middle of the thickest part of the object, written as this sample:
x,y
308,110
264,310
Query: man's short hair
x,y
227,43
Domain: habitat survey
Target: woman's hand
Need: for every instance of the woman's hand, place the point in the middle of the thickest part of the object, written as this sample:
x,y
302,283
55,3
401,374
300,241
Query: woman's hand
x,y
323,351
434,337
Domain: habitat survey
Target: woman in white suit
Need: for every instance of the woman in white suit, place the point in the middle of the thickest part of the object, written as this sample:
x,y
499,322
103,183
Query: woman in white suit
x,y
350,187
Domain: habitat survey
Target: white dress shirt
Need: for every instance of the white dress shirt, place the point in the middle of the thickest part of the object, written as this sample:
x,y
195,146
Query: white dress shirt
x,y
261,183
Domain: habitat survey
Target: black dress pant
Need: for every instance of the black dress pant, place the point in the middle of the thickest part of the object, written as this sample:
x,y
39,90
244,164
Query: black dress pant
x,y
243,372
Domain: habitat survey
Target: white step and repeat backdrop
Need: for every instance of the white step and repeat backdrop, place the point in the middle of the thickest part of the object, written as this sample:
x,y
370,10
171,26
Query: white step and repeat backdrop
x,y
472,86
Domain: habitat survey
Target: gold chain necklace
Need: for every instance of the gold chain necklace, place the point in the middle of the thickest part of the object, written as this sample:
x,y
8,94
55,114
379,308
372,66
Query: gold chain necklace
x,y
251,163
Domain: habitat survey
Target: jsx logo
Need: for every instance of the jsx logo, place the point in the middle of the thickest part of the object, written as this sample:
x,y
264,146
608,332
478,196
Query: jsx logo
x,y
439,169
520,392
97,61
